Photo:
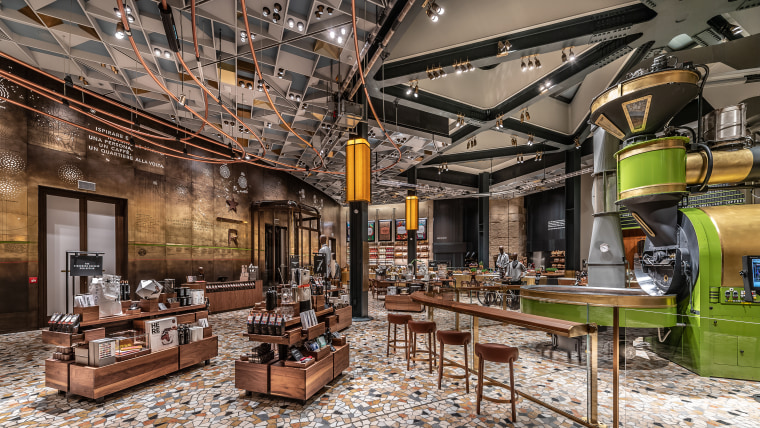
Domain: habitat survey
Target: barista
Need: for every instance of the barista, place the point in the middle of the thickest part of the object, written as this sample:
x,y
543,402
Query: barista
x,y
516,270
502,262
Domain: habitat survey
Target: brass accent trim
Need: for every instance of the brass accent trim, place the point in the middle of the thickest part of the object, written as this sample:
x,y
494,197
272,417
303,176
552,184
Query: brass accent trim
x,y
650,146
356,141
587,296
728,167
648,230
644,82
735,225
610,127
651,189
646,113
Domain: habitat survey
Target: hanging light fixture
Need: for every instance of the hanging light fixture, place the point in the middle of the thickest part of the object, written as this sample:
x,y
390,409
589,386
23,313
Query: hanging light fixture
x,y
514,141
358,170
523,67
412,208
536,61
564,55
527,114
416,91
530,139
571,54
182,99
119,34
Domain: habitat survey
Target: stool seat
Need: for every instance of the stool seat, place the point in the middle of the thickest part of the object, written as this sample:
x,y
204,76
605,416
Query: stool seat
x,y
421,326
399,318
453,337
496,352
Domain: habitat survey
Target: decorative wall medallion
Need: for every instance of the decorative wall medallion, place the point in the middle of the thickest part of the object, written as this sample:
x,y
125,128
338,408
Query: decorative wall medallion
x,y
181,191
224,171
11,163
242,181
141,252
69,173
232,203
9,188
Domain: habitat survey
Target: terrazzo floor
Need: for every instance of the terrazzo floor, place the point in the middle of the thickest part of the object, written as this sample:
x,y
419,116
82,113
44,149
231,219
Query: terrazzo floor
x,y
378,391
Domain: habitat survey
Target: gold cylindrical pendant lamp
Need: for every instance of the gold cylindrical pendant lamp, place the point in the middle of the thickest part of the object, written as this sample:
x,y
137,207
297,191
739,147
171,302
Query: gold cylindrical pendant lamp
x,y
358,170
412,212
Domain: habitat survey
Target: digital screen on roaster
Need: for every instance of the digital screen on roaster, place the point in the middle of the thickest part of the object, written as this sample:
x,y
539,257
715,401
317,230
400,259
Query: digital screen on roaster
x,y
756,272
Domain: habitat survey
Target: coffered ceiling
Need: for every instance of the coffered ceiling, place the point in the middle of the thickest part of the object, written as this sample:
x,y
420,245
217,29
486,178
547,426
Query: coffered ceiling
x,y
398,43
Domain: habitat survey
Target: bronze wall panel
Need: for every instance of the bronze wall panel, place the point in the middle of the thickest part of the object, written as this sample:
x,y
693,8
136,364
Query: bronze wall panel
x,y
173,205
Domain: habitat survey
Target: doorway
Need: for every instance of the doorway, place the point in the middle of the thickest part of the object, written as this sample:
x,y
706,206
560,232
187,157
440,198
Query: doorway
x,y
276,255
76,221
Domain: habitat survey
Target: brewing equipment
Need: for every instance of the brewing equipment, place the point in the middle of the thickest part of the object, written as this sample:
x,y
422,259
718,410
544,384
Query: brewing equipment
x,y
704,257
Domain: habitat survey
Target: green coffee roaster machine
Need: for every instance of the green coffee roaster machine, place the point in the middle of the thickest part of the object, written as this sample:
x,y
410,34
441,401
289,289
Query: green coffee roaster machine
x,y
703,264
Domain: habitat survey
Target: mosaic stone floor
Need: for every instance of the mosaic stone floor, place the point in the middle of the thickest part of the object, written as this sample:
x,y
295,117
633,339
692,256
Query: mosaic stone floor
x,y
378,391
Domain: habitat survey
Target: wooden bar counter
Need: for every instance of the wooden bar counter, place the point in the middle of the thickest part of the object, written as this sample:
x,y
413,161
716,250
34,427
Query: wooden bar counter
x,y
533,322
230,295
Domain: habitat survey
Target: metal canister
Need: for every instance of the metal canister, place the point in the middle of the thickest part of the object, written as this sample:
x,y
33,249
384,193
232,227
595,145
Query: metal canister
x,y
726,126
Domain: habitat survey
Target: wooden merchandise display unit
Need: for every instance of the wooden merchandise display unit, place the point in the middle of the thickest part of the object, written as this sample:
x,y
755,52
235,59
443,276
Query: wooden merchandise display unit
x,y
278,378
230,295
97,382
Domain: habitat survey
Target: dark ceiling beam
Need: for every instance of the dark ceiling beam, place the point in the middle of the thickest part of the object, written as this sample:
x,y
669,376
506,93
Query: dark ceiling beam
x,y
512,125
438,102
396,114
484,52
529,167
490,154
585,60
456,178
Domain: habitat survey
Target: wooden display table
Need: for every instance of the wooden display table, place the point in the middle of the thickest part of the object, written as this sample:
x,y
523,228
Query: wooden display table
x,y
277,378
230,295
97,382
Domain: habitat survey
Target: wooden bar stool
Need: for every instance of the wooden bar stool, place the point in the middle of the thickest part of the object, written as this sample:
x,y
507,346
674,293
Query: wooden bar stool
x,y
456,338
421,327
497,353
397,320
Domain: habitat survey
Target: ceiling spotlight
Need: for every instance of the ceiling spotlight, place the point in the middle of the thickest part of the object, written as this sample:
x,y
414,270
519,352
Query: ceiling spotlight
x,y
536,61
269,124
291,22
281,73
343,31
329,11
182,99
564,56
514,141
503,48
249,86
432,15
117,12
332,33
127,9
531,66
119,31
298,98
130,18
416,91
167,55
523,67
340,40
469,66
436,8
304,106
527,114
530,139
300,26
241,83
522,117
277,8
577,143
409,90
266,11
291,96
571,54
243,36
275,17
157,52
320,11
735,30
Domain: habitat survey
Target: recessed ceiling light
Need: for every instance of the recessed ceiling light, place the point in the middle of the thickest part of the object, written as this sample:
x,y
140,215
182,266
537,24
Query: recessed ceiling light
x,y
332,34
167,55
300,26
329,11
266,11
275,18
340,40
157,52
130,18
277,8
241,83
291,22
343,31
119,31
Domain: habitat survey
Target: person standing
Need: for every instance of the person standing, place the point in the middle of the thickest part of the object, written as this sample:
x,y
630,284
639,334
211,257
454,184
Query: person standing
x,y
325,250
502,262
516,270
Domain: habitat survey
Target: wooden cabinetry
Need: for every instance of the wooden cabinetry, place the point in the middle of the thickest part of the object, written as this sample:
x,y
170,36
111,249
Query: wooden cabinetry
x,y
230,295
300,383
97,382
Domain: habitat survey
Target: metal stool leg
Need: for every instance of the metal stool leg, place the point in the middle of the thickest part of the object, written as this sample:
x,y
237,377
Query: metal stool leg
x,y
480,384
466,369
388,341
440,367
431,352
512,391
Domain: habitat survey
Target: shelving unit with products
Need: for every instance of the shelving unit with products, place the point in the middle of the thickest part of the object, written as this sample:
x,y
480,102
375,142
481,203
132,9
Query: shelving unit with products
x,y
557,260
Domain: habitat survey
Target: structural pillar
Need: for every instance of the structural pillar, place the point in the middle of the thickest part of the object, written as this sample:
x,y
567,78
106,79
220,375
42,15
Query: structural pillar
x,y
411,236
573,211
484,186
358,212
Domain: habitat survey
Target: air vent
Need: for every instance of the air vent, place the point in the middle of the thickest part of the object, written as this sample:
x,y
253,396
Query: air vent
x,y
86,185
752,78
